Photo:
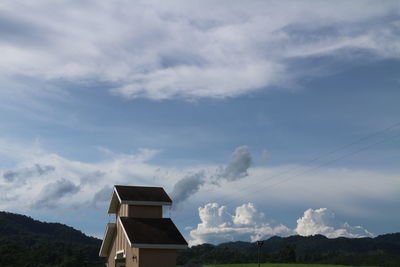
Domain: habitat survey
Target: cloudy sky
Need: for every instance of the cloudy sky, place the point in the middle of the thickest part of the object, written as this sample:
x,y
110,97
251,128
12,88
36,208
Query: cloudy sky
x,y
259,118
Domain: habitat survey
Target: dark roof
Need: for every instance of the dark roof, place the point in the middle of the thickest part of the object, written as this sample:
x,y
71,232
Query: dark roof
x,y
142,193
160,231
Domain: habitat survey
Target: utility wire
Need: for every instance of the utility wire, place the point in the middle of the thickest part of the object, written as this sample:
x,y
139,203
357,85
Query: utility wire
x,y
320,156
315,159
318,167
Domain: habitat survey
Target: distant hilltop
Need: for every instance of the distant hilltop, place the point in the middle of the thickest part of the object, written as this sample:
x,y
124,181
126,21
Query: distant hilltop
x,y
28,242
383,250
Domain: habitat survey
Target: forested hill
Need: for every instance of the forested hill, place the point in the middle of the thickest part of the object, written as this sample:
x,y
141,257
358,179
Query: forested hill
x,y
383,250
28,242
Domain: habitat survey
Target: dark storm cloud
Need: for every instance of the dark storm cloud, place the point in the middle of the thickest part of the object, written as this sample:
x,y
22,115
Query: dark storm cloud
x,y
238,165
24,173
235,169
102,195
52,192
187,187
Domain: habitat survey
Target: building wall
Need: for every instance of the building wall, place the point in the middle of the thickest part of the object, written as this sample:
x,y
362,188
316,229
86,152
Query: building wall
x,y
145,211
157,257
121,241
111,255
139,211
132,257
142,257
122,210
136,257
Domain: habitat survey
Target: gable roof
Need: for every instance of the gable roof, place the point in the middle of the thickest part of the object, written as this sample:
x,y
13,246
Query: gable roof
x,y
107,240
138,195
152,233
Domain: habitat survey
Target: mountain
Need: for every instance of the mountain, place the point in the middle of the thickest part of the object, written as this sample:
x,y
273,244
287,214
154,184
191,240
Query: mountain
x,y
383,250
28,242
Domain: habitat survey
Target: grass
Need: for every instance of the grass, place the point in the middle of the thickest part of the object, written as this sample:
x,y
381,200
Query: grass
x,y
277,265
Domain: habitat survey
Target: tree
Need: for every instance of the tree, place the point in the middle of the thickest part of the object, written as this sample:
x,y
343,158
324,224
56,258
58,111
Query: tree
x,y
287,253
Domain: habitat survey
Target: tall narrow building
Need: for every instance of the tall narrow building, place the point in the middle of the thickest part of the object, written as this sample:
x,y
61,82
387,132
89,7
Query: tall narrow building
x,y
140,236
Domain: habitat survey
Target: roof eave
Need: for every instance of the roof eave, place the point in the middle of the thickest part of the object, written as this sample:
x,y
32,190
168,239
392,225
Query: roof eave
x,y
146,203
160,246
107,240
115,200
123,229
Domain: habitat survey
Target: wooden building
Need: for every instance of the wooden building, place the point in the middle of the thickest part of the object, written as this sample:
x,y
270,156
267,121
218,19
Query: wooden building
x,y
140,236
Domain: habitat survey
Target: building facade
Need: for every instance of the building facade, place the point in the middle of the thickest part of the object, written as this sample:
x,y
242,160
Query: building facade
x,y
140,236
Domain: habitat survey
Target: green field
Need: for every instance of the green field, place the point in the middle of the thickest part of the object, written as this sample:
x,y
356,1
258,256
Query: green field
x,y
277,265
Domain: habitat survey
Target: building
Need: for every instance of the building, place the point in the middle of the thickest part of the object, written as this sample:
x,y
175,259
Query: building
x,y
140,236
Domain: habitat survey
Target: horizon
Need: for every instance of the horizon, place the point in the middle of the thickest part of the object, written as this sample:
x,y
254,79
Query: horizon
x,y
239,241
258,119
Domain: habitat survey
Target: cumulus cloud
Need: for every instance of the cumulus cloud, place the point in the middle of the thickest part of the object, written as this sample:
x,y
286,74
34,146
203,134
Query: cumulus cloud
x,y
53,192
238,165
247,224
246,214
187,49
323,221
332,187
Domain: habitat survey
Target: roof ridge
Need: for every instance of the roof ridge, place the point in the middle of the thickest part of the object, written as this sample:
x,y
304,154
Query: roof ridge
x,y
138,195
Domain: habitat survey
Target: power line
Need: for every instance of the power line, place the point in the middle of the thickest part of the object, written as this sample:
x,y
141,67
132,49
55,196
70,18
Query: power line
x,y
320,156
321,165
314,160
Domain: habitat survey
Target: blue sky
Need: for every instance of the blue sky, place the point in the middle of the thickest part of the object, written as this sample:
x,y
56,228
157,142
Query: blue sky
x,y
223,104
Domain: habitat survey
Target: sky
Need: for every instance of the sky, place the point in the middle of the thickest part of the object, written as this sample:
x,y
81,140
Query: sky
x,y
259,118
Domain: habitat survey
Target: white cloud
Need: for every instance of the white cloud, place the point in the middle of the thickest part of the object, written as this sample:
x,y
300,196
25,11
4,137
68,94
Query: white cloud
x,y
86,185
42,178
187,49
248,224
323,221
344,190
218,226
34,172
246,214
